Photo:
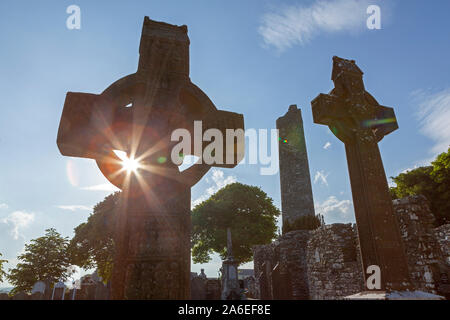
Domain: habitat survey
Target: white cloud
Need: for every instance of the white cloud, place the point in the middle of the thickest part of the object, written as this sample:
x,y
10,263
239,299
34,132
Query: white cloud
x,y
3,206
434,118
102,187
327,145
321,176
219,180
335,210
297,24
74,207
18,220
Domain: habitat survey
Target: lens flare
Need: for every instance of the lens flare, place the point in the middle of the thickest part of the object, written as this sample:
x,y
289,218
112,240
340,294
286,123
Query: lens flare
x,y
372,123
128,164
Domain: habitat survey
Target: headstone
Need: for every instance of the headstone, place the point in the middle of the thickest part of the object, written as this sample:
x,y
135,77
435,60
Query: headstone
x,y
230,288
153,229
38,287
37,293
59,291
295,180
360,122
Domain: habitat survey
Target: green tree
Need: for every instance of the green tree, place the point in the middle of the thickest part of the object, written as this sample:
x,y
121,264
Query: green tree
x,y
247,210
2,272
44,259
307,222
93,245
431,181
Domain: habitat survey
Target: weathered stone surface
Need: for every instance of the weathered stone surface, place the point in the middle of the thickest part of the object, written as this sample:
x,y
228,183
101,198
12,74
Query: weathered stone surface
x,y
394,295
333,267
442,235
330,258
422,249
290,251
295,180
282,284
360,122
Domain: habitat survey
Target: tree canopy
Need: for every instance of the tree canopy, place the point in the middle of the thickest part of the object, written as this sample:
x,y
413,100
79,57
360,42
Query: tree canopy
x,y
2,272
307,222
431,181
246,210
44,259
93,245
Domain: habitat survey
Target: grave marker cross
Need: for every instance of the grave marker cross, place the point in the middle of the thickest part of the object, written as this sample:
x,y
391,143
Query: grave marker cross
x,y
137,115
357,119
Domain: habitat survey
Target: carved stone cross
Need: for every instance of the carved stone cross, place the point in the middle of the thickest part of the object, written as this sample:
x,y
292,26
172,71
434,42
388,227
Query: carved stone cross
x,y
137,115
357,119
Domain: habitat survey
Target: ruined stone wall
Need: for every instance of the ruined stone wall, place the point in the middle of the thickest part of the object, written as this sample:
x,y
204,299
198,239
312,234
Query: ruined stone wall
x,y
442,235
334,269
416,222
290,251
326,263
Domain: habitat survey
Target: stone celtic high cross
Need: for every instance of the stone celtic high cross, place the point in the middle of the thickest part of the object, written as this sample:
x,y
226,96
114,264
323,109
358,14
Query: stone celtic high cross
x,y
137,115
357,119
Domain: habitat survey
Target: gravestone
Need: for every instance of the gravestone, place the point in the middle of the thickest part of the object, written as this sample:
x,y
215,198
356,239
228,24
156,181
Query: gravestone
x,y
230,288
295,180
360,122
37,293
137,114
59,291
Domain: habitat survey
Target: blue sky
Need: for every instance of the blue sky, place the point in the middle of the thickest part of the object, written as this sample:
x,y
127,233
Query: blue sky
x,y
253,57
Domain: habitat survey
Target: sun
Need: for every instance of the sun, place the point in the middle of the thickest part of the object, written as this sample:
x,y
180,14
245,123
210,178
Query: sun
x,y
128,164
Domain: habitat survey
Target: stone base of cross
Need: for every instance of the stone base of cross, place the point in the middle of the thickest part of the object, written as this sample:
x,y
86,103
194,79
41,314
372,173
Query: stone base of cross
x,y
137,115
